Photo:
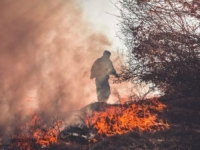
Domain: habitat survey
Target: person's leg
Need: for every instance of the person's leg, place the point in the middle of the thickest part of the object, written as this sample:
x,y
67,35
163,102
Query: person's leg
x,y
103,94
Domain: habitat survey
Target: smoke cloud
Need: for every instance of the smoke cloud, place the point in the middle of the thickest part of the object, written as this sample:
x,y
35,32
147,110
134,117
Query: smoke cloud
x,y
47,50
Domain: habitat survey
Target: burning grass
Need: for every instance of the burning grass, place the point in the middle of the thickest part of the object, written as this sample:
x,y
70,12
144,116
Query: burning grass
x,y
35,134
120,119
182,114
104,120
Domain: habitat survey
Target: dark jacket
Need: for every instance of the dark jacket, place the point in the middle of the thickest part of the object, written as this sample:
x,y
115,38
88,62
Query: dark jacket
x,y
102,68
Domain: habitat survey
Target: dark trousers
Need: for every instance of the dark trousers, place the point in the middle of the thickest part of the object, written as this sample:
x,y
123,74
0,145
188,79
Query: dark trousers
x,y
103,89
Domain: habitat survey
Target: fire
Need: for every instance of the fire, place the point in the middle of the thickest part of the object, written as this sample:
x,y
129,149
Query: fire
x,y
121,119
36,134
114,119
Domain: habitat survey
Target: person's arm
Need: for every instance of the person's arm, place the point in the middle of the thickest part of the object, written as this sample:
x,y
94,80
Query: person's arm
x,y
94,70
112,70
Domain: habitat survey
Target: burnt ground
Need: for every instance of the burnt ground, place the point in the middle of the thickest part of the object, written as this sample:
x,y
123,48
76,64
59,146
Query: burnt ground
x,y
183,116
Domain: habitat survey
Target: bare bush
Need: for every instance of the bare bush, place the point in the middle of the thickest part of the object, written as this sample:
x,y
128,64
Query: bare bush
x,y
163,44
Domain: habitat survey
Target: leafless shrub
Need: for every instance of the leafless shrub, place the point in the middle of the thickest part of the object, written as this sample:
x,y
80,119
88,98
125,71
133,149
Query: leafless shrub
x,y
163,44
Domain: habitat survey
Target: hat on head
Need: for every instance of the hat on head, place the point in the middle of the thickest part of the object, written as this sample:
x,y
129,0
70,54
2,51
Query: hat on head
x,y
106,52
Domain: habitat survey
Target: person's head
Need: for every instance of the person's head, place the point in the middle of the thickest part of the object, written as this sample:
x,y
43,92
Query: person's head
x,y
106,54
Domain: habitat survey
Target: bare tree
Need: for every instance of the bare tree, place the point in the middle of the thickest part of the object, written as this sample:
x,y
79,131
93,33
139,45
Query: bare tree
x,y
163,43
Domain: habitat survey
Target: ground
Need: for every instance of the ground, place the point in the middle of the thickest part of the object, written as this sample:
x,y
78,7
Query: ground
x,y
182,114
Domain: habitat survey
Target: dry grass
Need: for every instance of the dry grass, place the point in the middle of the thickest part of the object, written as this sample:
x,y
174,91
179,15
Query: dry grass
x,y
184,133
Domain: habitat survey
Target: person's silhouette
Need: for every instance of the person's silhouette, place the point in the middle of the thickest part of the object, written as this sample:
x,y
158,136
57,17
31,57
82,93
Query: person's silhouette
x,y
101,69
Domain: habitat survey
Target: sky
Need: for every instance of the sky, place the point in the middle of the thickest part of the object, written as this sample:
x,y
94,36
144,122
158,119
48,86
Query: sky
x,y
103,16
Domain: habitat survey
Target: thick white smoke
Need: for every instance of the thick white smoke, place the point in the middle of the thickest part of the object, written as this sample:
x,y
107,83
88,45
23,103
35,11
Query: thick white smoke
x,y
46,52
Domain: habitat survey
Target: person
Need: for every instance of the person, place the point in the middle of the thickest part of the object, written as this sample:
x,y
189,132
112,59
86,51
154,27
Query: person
x,y
101,70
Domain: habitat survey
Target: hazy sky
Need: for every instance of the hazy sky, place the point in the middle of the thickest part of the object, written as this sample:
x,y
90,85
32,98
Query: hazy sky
x,y
101,13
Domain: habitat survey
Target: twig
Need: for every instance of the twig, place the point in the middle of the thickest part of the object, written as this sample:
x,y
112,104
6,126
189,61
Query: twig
x,y
82,120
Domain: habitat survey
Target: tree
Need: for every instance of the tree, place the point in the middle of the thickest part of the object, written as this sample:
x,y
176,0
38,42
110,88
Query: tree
x,y
163,43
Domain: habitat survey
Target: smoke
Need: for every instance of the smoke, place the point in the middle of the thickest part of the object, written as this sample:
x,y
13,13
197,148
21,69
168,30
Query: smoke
x,y
47,50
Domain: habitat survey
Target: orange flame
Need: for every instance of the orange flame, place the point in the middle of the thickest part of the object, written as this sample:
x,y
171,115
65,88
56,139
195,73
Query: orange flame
x,y
36,134
121,119
116,119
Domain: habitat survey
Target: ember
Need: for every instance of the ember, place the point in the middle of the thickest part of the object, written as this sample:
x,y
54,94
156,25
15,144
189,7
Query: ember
x,y
120,119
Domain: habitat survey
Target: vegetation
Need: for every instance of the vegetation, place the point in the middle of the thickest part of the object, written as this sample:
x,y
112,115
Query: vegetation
x,y
163,44
162,39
